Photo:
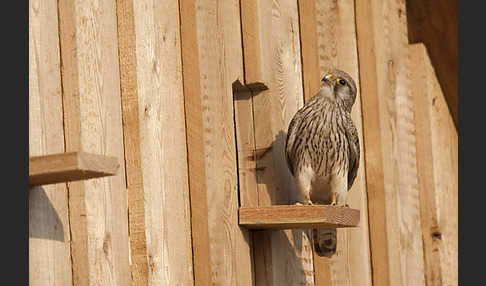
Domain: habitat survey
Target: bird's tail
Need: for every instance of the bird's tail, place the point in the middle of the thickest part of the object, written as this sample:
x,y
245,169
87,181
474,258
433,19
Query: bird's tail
x,y
325,241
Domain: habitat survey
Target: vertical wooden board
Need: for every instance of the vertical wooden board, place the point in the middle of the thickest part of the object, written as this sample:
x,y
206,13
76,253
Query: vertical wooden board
x,y
445,160
195,143
437,165
336,38
93,123
391,173
49,239
308,44
131,131
220,64
423,94
281,257
252,41
161,143
245,143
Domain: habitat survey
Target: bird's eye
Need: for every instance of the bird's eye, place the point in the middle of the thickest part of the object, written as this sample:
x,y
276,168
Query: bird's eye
x,y
341,81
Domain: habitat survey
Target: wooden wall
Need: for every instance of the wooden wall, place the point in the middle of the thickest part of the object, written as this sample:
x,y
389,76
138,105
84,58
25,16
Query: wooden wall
x,y
194,98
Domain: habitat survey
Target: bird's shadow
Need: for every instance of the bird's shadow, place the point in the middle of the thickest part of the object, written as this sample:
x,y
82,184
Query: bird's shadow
x,y
280,188
44,222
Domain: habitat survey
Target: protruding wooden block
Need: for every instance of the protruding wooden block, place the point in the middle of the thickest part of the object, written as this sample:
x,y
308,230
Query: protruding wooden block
x,y
71,166
301,217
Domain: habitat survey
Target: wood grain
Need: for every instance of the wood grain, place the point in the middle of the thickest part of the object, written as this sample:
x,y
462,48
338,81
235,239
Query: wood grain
x,y
245,144
93,123
392,188
159,159
195,143
251,40
337,48
213,54
49,230
288,217
436,144
278,55
131,138
311,74
70,166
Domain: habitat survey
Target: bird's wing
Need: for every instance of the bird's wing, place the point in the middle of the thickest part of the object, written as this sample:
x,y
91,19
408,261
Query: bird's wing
x,y
353,152
290,141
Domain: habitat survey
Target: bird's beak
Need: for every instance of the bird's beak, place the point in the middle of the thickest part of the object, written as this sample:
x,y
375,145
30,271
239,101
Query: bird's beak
x,y
328,79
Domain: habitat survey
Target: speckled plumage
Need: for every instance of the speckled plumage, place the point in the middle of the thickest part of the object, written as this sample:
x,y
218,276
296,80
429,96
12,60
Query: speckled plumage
x,y
322,149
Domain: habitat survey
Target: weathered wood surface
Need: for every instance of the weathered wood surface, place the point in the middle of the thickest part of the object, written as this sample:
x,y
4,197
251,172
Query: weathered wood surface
x,y
212,61
49,230
437,170
271,42
391,174
93,123
70,166
337,48
155,142
291,217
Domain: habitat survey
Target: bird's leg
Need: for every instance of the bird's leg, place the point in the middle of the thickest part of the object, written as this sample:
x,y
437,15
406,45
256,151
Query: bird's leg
x,y
333,202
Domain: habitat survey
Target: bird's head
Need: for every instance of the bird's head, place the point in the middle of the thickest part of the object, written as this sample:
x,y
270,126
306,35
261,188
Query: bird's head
x,y
341,85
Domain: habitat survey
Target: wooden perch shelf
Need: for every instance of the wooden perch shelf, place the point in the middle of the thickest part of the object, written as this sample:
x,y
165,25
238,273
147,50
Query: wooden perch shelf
x,y
71,166
291,216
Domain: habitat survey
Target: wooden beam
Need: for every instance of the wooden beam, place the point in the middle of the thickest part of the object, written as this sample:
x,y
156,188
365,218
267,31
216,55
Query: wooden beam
x,y
70,166
298,217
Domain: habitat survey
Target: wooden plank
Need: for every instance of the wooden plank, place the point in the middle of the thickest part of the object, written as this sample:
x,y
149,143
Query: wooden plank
x,y
70,166
153,107
281,257
337,48
287,217
93,123
250,30
245,143
49,230
435,23
131,135
436,157
445,156
308,44
212,61
425,163
389,140
195,143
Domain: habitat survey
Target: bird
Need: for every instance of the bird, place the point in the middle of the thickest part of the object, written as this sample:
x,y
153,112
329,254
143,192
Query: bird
x,y
322,150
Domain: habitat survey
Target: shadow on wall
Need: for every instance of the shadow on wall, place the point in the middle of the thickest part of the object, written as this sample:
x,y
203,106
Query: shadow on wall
x,y
44,221
287,250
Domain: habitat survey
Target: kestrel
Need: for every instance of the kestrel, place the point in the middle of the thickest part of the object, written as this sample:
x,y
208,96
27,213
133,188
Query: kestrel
x,y
322,149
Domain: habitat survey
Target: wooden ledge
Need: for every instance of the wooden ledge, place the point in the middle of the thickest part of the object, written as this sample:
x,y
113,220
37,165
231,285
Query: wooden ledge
x,y
71,166
302,217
